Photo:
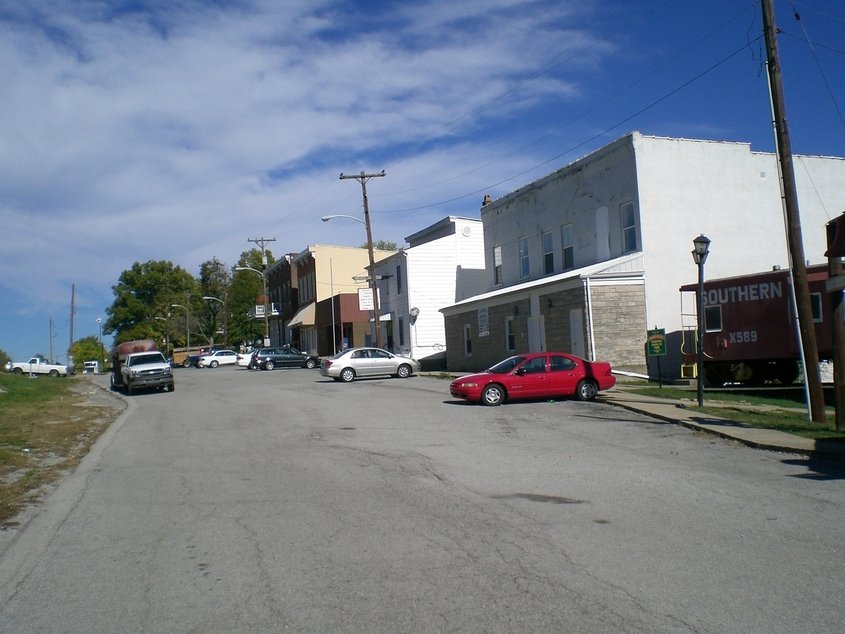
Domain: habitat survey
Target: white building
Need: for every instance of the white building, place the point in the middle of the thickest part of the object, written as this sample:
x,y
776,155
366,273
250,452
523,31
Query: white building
x,y
642,199
443,263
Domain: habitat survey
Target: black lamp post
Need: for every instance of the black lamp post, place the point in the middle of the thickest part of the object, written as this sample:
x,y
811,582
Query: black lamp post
x,y
699,255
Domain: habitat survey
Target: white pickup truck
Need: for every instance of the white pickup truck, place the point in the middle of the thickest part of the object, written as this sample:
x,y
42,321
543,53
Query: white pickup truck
x,y
37,365
138,365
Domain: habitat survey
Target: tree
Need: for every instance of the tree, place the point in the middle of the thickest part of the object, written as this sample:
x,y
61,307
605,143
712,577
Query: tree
x,y
87,349
382,245
4,358
215,281
143,298
247,290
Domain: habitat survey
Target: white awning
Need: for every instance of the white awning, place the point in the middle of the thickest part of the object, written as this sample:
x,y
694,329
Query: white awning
x,y
303,317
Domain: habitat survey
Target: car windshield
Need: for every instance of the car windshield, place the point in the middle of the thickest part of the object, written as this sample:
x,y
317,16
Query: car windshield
x,y
146,358
503,367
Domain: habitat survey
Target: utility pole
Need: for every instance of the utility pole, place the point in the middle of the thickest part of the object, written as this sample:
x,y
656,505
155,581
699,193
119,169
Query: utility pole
x,y
363,178
262,243
72,313
789,194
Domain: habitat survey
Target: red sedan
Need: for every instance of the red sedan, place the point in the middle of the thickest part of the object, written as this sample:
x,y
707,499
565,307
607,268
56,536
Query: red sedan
x,y
535,375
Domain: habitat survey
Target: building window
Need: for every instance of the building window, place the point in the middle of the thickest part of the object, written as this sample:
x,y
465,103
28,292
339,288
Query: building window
x,y
548,253
306,288
510,335
629,227
567,247
524,264
398,279
497,265
816,306
713,318
467,340
401,331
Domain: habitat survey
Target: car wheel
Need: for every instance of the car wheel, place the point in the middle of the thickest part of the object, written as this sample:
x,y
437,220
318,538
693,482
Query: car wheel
x,y
172,387
347,375
586,390
54,373
269,365
311,364
186,363
213,364
403,371
18,371
493,394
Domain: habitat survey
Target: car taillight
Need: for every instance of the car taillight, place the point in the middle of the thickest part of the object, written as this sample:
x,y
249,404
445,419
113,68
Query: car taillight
x,y
326,363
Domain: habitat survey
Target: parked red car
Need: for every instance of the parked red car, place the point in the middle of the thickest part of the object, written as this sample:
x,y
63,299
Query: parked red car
x,y
535,375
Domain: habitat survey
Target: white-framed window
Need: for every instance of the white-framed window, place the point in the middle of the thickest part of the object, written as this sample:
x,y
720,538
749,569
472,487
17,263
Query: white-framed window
x,y
548,253
524,261
307,288
467,340
497,265
567,247
629,227
510,335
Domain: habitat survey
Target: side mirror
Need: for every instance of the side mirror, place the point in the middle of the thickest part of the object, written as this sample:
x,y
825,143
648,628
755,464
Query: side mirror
x,y
520,371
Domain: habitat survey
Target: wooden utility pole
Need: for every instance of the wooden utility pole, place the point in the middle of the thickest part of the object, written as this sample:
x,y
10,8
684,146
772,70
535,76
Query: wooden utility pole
x,y
363,178
793,221
262,243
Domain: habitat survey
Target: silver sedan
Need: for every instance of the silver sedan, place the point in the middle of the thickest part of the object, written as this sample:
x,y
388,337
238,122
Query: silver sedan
x,y
359,362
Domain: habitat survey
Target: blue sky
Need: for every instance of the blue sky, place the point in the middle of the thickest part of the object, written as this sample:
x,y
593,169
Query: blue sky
x,y
135,131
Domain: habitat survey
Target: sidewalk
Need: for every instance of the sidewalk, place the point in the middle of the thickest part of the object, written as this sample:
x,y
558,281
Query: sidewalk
x,y
673,412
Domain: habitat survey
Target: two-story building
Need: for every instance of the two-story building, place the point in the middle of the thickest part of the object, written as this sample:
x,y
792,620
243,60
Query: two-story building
x,y
589,257
442,264
325,316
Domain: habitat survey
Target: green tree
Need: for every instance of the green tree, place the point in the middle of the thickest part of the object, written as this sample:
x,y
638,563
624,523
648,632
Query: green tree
x,y
382,245
88,349
215,281
4,358
142,303
246,292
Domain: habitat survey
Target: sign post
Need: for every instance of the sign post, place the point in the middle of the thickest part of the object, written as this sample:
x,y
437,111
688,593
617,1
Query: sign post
x,y
656,347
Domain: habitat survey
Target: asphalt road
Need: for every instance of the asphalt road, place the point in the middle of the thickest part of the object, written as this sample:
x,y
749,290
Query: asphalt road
x,y
282,501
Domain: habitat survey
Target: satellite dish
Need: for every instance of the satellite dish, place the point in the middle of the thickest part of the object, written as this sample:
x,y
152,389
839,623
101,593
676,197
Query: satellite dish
x,y
414,311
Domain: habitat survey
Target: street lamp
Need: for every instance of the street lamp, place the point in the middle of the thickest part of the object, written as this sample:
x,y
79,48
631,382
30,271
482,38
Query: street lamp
x,y
209,298
266,307
166,335
699,256
187,324
100,339
372,276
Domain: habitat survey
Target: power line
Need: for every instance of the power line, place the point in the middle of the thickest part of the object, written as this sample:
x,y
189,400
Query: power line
x,y
585,141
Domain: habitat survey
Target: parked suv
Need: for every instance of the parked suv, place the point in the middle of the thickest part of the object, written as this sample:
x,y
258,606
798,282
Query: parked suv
x,y
284,357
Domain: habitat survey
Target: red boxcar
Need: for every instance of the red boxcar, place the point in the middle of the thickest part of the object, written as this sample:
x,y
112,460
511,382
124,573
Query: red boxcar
x,y
750,327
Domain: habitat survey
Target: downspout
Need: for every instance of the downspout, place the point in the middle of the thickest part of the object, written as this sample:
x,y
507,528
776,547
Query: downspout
x,y
588,292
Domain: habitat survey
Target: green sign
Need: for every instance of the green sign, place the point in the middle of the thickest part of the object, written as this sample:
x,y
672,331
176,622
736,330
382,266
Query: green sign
x,y
656,342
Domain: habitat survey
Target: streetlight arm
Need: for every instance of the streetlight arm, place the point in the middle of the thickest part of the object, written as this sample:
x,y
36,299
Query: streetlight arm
x,y
248,268
327,218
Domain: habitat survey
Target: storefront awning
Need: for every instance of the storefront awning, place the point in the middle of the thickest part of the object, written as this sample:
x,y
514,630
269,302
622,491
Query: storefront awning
x,y
304,316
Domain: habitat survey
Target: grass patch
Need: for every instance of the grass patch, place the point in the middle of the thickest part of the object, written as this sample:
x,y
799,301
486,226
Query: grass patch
x,y
781,410
46,425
